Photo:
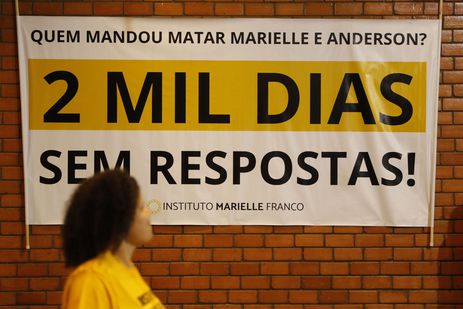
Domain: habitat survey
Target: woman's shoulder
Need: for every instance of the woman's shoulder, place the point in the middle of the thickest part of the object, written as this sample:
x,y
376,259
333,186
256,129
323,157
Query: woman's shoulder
x,y
87,287
94,269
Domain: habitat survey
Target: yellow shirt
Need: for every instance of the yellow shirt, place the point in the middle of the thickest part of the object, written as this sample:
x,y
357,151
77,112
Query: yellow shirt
x,y
104,282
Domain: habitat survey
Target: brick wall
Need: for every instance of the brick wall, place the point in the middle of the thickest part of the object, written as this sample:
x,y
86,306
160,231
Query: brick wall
x,y
255,267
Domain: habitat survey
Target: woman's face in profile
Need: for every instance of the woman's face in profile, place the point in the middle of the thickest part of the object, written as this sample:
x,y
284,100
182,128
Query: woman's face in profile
x,y
140,232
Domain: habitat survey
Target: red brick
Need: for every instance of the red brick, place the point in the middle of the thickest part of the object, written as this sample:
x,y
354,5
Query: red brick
x,y
425,297
227,254
9,159
395,268
288,229
13,284
444,172
46,230
258,254
347,254
8,270
77,8
316,282
333,297
378,254
218,241
142,254
241,296
446,145
437,282
406,282
7,298
287,254
108,8
458,89
255,282
286,282
10,186
451,268
452,104
339,241
213,297
334,268
188,241
363,296
166,255
44,8
10,242
318,254
167,229
289,9
452,185
348,229
45,284
378,8
168,9
304,268
259,9
399,240
248,240
408,8
12,228
309,240
318,229
453,22
245,268
408,254
214,269
138,8
157,269
392,297
225,282
199,9
274,297
274,268
197,254
184,268
303,296
9,131
348,9
41,241
347,282
182,297
12,145
452,158
279,240
196,282
41,255
365,268
424,268
228,229
31,298
458,117
54,297
11,214
229,9
160,241
318,9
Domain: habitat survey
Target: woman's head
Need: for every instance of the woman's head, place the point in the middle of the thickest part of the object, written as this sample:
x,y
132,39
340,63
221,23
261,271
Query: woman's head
x,y
100,215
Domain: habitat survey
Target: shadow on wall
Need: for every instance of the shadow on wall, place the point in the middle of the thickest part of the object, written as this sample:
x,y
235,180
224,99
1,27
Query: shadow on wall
x,y
450,261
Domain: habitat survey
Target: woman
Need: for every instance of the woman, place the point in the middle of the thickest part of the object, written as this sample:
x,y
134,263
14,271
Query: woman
x,y
105,221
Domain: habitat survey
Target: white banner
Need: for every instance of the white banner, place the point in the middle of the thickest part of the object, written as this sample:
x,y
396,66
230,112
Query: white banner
x,y
234,121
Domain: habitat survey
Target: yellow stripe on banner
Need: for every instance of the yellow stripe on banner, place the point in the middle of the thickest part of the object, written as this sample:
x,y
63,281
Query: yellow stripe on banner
x,y
227,95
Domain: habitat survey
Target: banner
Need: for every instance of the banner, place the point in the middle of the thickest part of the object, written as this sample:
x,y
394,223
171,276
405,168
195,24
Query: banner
x,y
234,121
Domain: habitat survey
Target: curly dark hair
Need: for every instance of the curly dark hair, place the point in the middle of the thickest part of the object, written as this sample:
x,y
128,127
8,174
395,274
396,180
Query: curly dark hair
x,y
99,215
